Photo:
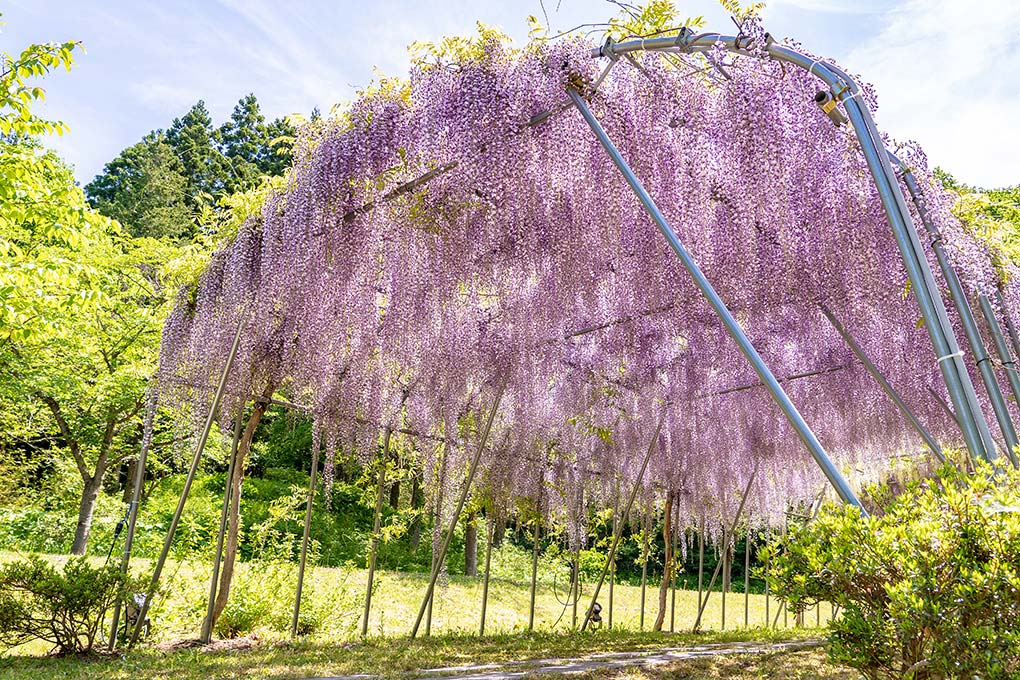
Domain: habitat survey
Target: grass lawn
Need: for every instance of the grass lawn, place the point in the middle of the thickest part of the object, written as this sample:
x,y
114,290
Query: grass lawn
x,y
397,657
334,598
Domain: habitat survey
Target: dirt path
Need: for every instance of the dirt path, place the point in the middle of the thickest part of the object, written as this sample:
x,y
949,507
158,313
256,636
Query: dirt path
x,y
520,669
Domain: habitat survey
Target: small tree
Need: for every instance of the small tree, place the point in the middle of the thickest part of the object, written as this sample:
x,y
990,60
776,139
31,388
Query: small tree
x,y
66,608
929,586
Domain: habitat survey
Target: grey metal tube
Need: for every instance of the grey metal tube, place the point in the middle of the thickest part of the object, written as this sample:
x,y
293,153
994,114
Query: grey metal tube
x,y
1007,361
1009,323
974,429
959,297
295,619
1010,365
889,390
736,332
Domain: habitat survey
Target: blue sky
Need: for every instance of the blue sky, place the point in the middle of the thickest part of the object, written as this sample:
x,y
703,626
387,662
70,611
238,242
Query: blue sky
x,y
947,72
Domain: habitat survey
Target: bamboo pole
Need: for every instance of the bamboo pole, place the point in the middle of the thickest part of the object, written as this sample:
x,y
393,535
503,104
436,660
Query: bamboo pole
x,y
644,565
726,535
534,577
207,622
376,526
485,583
747,580
626,512
304,541
701,559
136,497
199,448
460,506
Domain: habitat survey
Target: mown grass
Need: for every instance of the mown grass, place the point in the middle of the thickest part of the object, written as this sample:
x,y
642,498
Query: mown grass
x,y
336,595
384,657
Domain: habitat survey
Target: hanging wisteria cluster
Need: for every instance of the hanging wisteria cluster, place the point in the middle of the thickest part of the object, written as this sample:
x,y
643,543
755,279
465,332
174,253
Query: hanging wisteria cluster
x,y
464,231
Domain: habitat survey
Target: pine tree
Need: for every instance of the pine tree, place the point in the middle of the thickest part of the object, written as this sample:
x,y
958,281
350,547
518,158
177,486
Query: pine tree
x,y
194,140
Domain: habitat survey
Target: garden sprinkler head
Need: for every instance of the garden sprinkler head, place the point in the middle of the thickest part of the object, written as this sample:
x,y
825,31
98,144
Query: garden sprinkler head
x,y
827,103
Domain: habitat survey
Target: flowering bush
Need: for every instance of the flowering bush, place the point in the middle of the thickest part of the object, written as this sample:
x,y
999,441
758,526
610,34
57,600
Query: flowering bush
x,y
929,586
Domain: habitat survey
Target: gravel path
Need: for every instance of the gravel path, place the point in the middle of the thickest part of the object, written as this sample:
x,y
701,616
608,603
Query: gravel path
x,y
520,669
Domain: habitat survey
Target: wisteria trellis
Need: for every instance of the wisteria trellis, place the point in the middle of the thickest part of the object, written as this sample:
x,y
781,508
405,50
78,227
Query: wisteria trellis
x,y
451,235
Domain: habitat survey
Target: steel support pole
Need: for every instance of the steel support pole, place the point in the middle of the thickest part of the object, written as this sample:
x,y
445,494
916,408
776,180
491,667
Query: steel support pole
x,y
726,539
1013,337
199,448
1004,351
460,506
973,426
207,623
304,542
136,497
376,525
626,511
959,298
1007,361
747,579
889,390
733,328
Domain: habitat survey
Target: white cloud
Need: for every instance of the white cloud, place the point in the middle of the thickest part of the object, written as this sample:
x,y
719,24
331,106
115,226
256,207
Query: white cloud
x,y
945,72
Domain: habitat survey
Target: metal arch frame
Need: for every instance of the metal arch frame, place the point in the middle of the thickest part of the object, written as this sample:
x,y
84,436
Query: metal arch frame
x,y
845,90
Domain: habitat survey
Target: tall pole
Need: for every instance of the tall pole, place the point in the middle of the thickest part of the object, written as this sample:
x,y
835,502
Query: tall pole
x,y
1013,337
376,525
304,541
534,577
207,623
1007,361
485,582
460,506
973,426
889,390
644,566
959,298
726,538
199,448
626,512
747,579
136,497
733,328
701,559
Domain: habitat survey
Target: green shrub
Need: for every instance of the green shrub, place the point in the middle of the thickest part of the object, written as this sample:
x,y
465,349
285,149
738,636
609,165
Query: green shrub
x,y
66,608
929,586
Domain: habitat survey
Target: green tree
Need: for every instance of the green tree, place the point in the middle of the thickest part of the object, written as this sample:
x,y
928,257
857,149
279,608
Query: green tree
x,y
145,189
82,304
252,148
194,141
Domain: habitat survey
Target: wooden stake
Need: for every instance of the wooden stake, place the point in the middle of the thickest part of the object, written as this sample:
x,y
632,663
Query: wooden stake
x,y
304,542
218,555
376,526
460,506
199,448
726,535
488,561
626,512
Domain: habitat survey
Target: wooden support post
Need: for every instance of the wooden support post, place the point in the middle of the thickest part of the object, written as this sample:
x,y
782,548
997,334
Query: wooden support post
x,y
725,556
626,512
485,583
199,449
726,535
644,566
136,497
380,490
534,576
456,514
768,594
218,554
701,560
747,580
304,541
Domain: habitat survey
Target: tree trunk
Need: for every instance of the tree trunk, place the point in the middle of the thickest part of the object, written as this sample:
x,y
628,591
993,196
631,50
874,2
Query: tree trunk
x,y
234,518
395,495
667,569
470,546
86,508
